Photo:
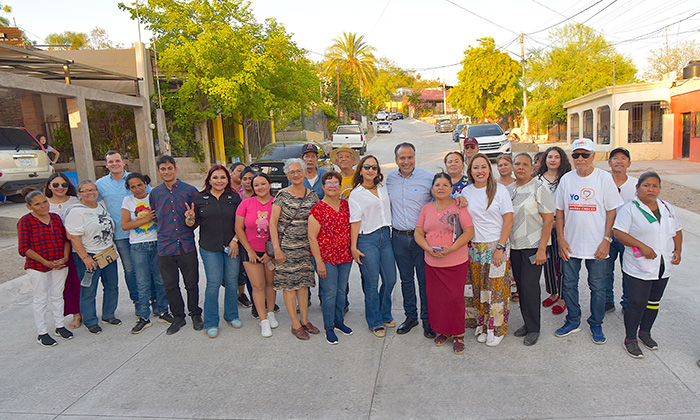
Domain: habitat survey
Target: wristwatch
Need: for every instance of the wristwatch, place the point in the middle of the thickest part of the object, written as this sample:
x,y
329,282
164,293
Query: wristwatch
x,y
235,239
501,247
607,238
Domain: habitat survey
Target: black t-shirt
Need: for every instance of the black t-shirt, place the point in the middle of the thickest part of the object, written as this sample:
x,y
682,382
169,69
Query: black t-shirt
x,y
216,219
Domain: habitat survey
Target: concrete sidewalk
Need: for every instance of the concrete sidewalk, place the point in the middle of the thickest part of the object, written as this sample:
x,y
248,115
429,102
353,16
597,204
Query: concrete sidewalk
x,y
241,375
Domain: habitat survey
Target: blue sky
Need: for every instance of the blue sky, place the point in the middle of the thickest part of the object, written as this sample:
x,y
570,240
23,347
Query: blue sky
x,y
416,34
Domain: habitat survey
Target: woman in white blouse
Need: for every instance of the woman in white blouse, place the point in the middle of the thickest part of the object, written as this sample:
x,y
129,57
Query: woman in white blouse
x,y
489,252
370,242
652,236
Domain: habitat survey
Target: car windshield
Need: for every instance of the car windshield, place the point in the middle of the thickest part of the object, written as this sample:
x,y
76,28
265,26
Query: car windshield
x,y
349,129
484,130
16,139
446,121
277,152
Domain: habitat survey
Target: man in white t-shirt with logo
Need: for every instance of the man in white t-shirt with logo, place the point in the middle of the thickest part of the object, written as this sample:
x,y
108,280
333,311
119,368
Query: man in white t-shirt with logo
x,y
586,199
619,161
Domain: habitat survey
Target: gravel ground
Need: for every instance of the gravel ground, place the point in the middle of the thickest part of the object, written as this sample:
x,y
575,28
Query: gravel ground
x,y
681,196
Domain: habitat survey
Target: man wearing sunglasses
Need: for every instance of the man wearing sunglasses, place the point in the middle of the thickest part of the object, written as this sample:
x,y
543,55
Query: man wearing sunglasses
x,y
409,191
619,161
471,148
586,201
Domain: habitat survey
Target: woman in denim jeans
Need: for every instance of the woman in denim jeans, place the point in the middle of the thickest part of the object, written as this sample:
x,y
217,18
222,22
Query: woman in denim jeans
x,y
329,236
370,242
214,211
91,231
138,218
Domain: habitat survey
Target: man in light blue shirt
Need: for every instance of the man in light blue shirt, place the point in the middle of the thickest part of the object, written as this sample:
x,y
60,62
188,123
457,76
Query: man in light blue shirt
x,y
112,191
409,190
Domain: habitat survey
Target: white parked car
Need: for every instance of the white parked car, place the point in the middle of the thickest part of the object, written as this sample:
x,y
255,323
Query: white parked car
x,y
352,135
383,127
492,140
382,115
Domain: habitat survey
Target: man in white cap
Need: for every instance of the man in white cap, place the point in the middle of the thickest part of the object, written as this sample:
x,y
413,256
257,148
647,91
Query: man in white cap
x,y
586,201
345,159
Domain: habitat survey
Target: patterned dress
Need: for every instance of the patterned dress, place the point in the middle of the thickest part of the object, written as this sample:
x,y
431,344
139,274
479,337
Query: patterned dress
x,y
297,271
490,289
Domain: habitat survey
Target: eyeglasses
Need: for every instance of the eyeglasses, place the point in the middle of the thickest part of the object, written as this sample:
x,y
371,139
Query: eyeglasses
x,y
367,167
57,185
332,183
583,155
90,190
470,146
296,172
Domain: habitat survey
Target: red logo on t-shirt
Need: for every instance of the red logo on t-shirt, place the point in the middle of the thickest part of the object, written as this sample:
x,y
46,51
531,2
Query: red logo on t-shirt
x,y
587,193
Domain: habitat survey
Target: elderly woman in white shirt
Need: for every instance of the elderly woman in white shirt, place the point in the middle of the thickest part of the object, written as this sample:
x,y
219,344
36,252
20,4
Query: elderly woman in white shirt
x,y
652,236
370,242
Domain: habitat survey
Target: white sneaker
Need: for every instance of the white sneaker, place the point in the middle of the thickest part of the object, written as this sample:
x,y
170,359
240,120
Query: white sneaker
x,y
481,338
492,340
273,320
265,330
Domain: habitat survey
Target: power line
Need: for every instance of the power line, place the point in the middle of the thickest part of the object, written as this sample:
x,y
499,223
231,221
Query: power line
x,y
483,18
568,18
642,36
598,12
379,18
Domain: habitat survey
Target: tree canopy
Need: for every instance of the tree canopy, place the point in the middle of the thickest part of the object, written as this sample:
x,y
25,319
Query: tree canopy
x,y
664,60
351,54
488,84
5,9
97,40
227,62
580,61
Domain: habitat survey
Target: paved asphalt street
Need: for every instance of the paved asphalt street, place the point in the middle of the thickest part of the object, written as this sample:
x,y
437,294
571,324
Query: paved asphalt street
x,y
241,375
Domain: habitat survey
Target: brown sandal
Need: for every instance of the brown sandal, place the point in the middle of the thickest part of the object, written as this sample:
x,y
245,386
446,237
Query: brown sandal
x,y
458,345
440,340
379,332
310,328
300,333
77,320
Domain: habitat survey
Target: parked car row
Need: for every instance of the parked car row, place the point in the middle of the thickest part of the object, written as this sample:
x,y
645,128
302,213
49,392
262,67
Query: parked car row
x,y
389,116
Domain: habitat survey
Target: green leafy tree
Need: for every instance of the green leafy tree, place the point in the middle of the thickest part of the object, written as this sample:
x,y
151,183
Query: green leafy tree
x,y
73,40
664,60
489,82
5,9
351,54
227,62
388,80
350,100
579,62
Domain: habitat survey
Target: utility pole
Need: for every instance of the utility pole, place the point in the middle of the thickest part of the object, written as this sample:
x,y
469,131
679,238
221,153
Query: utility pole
x,y
522,63
337,110
444,97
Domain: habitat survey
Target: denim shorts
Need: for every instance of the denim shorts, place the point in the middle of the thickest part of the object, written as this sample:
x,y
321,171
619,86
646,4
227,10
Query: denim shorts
x,y
244,254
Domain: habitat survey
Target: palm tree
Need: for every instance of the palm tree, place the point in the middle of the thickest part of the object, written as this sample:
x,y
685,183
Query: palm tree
x,y
351,53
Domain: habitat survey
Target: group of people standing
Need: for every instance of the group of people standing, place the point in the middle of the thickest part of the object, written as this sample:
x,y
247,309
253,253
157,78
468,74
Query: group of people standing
x,y
459,242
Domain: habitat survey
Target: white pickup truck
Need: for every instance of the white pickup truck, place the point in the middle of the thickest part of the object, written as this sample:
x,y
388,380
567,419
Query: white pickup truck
x,y
352,135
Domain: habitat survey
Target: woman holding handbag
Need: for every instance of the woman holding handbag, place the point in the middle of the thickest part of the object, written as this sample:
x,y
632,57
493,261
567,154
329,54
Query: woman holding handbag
x,y
443,231
294,273
91,232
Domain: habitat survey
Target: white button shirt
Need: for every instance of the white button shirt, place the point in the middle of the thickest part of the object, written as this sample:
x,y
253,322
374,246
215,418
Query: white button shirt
x,y
658,236
371,211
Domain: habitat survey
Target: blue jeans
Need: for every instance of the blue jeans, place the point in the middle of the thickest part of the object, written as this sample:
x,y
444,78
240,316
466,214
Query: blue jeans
x,y
596,283
409,257
110,297
145,258
616,249
332,292
218,265
378,261
124,250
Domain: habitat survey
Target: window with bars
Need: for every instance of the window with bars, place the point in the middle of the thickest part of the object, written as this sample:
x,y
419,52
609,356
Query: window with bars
x,y
573,127
603,125
588,124
696,122
645,123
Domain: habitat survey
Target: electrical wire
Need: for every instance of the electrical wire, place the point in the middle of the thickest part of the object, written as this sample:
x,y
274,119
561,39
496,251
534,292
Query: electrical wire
x,y
568,18
483,18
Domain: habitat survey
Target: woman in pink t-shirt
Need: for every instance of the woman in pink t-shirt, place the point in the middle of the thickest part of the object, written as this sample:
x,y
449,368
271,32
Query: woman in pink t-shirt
x,y
443,230
253,230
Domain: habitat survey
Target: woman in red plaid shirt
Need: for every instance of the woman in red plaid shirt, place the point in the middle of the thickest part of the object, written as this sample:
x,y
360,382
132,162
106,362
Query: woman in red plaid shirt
x,y
42,240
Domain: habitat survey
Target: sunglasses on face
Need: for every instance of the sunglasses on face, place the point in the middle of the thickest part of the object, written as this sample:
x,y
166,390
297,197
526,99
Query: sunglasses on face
x,y
584,155
367,167
57,185
332,183
470,146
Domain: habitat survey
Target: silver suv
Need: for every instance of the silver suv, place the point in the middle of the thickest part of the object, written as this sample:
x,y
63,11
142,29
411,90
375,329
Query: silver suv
x,y
23,163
